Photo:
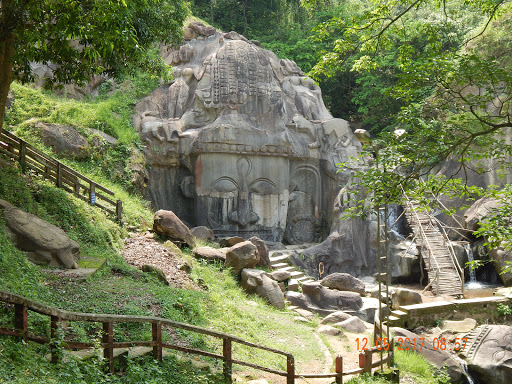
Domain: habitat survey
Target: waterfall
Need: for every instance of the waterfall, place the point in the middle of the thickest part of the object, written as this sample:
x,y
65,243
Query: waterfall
x,y
464,366
472,272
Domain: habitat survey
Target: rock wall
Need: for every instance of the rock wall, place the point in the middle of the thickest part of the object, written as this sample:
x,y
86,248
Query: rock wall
x,y
241,142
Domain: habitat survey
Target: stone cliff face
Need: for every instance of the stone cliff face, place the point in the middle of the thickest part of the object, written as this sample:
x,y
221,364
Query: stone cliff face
x,y
242,142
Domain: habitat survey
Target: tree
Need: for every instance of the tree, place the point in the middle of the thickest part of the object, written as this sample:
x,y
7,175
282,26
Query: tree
x,y
81,38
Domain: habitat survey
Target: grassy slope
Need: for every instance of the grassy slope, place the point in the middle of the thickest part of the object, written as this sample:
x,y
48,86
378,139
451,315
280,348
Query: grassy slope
x,y
117,287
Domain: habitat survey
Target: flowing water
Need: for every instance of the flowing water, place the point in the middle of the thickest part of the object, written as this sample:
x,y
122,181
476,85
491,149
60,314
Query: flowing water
x,y
469,253
464,367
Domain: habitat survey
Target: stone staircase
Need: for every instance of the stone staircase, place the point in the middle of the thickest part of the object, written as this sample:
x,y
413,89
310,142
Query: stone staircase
x,y
445,277
280,261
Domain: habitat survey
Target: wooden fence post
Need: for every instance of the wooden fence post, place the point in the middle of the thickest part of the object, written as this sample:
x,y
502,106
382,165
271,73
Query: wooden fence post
x,y
368,361
56,356
228,364
391,353
20,319
339,369
108,341
119,209
290,368
157,338
23,155
59,174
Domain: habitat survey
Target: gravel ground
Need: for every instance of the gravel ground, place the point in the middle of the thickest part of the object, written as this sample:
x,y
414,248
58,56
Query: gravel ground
x,y
142,250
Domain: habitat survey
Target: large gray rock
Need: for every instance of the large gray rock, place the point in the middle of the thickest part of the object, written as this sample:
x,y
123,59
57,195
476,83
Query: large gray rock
x,y
262,251
256,281
478,211
336,317
353,324
441,359
502,258
203,233
488,353
168,224
343,282
404,296
322,300
43,243
64,140
241,141
242,255
210,253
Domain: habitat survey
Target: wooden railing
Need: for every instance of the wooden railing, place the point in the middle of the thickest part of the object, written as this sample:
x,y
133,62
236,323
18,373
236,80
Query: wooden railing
x,y
64,177
58,317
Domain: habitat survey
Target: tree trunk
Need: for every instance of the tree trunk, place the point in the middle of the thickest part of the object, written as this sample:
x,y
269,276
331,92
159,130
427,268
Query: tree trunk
x,y
6,56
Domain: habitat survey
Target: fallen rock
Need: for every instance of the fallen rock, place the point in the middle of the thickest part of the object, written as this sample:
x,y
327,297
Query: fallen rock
x,y
404,296
262,251
64,140
353,324
293,285
42,242
242,255
488,353
210,253
160,275
461,326
336,317
280,275
228,242
173,248
305,313
343,282
254,281
502,258
328,330
331,299
203,233
441,359
168,224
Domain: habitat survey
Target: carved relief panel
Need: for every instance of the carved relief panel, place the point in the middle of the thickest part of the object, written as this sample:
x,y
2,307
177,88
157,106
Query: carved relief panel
x,y
240,195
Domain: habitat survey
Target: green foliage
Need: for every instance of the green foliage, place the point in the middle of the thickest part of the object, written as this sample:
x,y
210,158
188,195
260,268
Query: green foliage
x,y
504,310
419,369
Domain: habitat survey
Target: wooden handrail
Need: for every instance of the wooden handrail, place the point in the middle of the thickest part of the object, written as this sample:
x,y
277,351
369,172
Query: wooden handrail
x,y
63,176
23,305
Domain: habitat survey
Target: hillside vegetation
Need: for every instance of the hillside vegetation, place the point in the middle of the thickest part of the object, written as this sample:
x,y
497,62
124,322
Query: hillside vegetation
x,y
117,287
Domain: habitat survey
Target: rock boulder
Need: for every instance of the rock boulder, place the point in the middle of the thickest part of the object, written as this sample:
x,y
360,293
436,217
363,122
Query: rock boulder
x,y
242,255
256,281
43,243
343,282
168,224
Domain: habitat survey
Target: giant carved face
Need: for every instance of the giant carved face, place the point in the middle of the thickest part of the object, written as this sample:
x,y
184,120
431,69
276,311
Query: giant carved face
x,y
238,195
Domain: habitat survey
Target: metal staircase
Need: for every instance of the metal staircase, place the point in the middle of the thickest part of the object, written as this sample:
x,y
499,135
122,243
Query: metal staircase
x,y
445,276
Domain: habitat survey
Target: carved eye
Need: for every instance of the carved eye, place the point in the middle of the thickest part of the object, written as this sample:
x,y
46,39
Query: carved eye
x,y
263,187
225,184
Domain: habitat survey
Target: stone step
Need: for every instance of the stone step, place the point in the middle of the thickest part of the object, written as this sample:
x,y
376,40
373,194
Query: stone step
x,y
297,274
288,268
280,265
279,259
398,313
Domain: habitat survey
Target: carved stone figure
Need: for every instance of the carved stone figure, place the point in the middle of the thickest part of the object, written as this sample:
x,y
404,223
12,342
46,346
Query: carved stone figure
x,y
241,141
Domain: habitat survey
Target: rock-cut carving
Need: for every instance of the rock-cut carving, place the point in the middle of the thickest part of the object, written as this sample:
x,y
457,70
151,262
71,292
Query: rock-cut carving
x,y
241,122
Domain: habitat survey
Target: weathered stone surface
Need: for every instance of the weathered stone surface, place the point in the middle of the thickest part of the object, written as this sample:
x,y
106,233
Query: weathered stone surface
x,y
210,253
322,300
241,141
242,255
404,296
280,275
160,275
369,309
293,285
328,330
43,243
353,324
441,359
203,233
336,317
64,140
458,326
230,241
256,281
488,353
168,224
343,282
502,257
262,251
478,211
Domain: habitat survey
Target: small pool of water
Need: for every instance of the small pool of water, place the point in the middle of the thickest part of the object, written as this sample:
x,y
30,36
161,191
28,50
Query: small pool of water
x,y
475,289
